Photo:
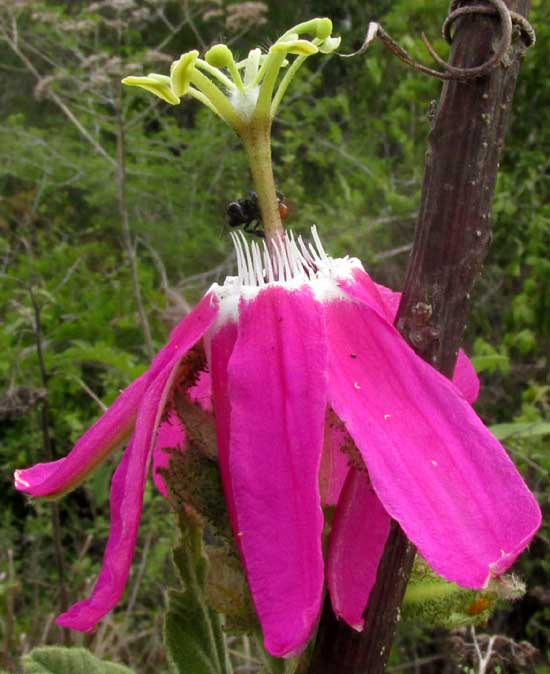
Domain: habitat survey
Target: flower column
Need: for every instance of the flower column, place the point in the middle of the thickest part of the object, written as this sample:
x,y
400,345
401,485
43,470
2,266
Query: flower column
x,y
246,95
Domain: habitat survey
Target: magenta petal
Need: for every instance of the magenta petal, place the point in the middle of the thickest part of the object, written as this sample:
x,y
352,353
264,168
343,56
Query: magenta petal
x,y
376,295
433,464
127,490
126,503
109,432
115,426
201,393
359,534
186,333
221,348
334,462
465,378
277,387
170,436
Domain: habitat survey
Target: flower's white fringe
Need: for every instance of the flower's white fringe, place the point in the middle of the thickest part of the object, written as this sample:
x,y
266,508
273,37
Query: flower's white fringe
x,y
289,261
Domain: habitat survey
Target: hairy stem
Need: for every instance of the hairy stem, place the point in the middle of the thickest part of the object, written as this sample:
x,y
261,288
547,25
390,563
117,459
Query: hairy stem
x,y
256,139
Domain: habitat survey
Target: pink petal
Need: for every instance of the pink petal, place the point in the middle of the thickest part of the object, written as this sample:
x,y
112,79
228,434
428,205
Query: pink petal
x,y
170,436
359,533
465,378
334,462
127,490
277,388
221,348
115,426
435,467
201,393
374,295
186,333
100,440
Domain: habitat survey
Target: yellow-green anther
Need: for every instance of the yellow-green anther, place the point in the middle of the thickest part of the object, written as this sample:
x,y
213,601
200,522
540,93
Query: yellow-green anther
x,y
241,65
219,56
329,45
324,28
299,47
181,71
154,84
289,37
320,28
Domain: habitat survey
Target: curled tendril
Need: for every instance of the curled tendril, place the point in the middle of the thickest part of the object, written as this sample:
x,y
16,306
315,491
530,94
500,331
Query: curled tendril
x,y
508,20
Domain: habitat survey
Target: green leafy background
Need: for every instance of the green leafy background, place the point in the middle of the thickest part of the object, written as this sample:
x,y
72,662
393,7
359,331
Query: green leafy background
x,y
348,151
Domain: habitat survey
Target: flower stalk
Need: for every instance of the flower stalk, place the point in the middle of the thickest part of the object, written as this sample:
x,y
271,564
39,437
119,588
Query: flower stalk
x,y
246,95
257,143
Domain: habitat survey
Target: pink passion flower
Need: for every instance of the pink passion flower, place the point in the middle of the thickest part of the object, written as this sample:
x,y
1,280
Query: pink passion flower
x,y
295,335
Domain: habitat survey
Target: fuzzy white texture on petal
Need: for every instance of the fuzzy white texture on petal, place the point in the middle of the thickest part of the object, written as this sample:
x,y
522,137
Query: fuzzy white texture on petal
x,y
292,264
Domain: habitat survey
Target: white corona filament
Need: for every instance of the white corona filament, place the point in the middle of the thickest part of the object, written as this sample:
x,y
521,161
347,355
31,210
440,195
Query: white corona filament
x,y
290,260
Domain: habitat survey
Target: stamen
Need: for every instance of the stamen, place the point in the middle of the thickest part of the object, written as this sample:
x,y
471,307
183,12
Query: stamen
x,y
240,256
318,243
290,260
268,264
281,244
258,268
249,265
279,271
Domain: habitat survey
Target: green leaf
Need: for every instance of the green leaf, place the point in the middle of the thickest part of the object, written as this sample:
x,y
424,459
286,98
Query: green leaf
x,y
56,660
193,632
520,429
189,636
491,363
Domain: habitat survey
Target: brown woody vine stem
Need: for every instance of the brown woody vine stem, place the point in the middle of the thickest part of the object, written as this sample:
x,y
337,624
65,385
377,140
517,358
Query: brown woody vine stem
x,y
452,236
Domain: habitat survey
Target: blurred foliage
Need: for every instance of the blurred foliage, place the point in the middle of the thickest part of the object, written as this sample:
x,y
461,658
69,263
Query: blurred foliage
x,y
54,660
348,152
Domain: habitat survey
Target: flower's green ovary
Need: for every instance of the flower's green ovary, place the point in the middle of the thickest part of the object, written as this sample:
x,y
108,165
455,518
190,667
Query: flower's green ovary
x,y
251,67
